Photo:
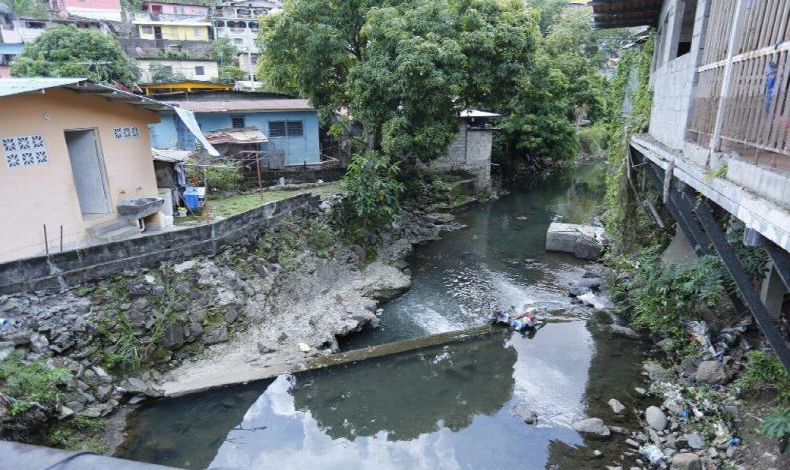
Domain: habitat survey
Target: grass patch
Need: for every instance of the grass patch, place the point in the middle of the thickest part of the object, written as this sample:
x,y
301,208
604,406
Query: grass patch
x,y
30,383
232,205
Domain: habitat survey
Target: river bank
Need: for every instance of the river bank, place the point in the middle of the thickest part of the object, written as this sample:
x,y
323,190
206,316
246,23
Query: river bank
x,y
199,323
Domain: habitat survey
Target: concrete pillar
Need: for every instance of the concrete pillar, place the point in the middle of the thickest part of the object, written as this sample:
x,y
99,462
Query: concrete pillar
x,y
772,292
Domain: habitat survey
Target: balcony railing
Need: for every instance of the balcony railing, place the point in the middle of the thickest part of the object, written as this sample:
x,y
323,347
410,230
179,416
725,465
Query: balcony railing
x,y
743,93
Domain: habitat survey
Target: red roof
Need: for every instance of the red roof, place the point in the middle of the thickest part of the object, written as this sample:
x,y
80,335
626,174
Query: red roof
x,y
243,105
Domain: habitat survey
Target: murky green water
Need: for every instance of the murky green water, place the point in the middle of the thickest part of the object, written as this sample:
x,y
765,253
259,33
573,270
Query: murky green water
x,y
451,407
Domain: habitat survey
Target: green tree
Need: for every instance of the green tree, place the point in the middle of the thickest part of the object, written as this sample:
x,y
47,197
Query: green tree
x,y
224,51
28,8
161,73
67,51
231,74
402,68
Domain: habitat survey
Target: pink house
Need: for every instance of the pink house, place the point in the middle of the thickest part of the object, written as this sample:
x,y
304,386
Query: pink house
x,y
163,8
98,9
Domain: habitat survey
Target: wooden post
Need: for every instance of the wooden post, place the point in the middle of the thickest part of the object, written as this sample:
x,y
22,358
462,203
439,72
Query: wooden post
x,y
46,242
258,168
205,192
61,239
734,43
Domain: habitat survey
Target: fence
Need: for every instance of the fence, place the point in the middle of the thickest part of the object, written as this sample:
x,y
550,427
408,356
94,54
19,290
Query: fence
x,y
742,89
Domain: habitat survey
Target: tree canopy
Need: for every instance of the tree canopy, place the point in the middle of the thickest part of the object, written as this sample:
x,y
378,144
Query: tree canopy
x,y
403,69
67,51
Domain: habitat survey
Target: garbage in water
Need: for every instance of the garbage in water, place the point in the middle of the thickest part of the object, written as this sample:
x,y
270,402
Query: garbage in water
x,y
653,454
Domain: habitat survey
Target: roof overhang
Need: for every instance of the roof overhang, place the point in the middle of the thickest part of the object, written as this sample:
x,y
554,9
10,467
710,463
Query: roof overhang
x,y
19,86
625,13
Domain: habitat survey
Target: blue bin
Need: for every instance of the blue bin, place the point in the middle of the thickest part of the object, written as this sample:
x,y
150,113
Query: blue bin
x,y
192,198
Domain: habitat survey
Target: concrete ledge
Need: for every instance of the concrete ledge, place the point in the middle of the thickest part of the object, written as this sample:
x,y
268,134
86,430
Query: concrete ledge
x,y
253,372
70,268
757,211
16,456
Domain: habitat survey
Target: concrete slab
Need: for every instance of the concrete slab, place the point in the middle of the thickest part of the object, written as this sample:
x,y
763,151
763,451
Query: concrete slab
x,y
562,237
179,385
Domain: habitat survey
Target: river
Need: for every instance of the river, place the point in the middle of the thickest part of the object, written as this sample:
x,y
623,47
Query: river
x,y
460,406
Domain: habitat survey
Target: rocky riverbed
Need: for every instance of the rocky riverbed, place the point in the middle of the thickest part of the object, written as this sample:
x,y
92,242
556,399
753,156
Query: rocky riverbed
x,y
207,321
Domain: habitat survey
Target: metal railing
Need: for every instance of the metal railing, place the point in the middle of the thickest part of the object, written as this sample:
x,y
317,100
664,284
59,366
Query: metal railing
x,y
743,88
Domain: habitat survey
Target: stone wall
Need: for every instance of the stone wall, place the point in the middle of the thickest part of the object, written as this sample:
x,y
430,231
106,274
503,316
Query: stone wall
x,y
70,268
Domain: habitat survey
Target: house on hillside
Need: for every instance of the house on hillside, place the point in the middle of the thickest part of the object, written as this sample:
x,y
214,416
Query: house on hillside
x,y
238,21
290,125
187,69
77,167
109,10
182,86
168,8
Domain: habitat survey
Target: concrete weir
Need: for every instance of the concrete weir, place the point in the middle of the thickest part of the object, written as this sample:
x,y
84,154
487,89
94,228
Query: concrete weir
x,y
190,385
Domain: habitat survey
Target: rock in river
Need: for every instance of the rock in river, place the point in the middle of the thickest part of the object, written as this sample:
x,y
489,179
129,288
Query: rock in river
x,y
656,418
686,461
616,406
594,426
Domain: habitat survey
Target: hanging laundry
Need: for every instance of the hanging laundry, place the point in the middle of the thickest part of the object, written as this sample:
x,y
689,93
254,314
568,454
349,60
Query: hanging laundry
x,y
770,75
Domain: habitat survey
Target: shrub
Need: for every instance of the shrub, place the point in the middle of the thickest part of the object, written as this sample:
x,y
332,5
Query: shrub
x,y
592,140
373,190
664,297
765,372
777,425
30,383
225,179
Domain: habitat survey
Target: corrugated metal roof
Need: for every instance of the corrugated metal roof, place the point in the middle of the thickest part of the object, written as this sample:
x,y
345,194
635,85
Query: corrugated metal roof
x,y
474,113
15,86
170,155
244,135
244,105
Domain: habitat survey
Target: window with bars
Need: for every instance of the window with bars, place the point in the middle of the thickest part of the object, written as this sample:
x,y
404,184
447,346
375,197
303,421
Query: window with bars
x,y
199,70
237,121
286,129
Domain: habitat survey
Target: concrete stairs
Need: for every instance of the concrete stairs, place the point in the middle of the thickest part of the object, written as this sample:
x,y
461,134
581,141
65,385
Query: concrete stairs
x,y
113,231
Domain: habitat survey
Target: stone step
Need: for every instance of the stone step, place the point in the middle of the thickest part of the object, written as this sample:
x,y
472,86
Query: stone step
x,y
114,230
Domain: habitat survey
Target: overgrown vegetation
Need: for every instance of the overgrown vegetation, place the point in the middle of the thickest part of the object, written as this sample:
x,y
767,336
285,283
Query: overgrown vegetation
x,y
777,425
30,383
764,373
627,221
78,433
294,238
663,298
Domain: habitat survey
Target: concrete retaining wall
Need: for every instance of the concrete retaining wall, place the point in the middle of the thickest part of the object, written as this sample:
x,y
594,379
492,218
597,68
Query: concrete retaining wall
x,y
63,270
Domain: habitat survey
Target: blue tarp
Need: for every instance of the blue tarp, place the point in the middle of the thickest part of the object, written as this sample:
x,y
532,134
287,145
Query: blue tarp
x,y
13,49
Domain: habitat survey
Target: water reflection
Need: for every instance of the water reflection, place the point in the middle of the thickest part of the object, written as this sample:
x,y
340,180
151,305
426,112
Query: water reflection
x,y
408,395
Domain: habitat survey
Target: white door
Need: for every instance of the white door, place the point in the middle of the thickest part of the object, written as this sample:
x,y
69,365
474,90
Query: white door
x,y
87,167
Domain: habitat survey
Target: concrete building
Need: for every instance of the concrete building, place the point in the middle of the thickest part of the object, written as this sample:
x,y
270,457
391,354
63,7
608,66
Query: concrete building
x,y
470,151
20,30
187,69
173,30
109,10
75,154
238,22
720,125
167,8
290,125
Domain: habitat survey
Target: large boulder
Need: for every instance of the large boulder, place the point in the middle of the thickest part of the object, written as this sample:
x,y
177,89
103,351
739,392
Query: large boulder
x,y
587,248
712,372
656,418
686,461
594,426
